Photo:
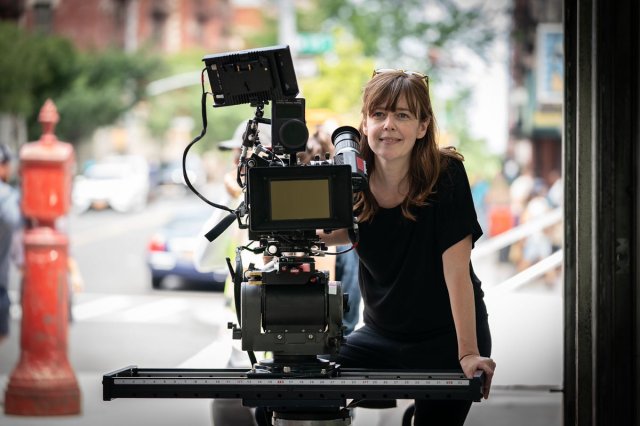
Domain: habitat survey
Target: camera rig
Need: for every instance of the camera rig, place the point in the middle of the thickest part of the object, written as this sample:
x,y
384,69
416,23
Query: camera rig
x,y
287,307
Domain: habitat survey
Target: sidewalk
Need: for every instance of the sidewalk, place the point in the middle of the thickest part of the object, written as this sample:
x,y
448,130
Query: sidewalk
x,y
503,408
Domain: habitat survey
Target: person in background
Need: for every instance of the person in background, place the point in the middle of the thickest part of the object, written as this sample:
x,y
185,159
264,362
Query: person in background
x,y
211,255
423,304
500,217
537,245
10,221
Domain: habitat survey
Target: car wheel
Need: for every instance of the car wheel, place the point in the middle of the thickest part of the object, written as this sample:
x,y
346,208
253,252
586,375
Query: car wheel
x,y
156,282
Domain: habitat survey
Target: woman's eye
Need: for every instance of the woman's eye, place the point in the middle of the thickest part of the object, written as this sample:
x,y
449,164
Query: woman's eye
x,y
377,114
403,116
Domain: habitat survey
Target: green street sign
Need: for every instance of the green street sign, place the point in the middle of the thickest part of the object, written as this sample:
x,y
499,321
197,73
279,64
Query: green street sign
x,y
314,43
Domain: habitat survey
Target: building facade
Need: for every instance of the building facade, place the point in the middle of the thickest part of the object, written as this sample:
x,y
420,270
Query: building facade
x,y
163,25
536,92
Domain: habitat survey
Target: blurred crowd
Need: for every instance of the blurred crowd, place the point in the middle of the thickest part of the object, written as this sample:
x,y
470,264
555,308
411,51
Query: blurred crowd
x,y
503,203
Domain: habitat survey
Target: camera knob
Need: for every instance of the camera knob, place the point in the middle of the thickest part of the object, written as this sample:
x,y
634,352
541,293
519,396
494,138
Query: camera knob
x,y
272,250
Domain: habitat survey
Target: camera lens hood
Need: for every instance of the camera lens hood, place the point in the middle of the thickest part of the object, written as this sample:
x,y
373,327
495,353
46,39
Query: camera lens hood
x,y
345,138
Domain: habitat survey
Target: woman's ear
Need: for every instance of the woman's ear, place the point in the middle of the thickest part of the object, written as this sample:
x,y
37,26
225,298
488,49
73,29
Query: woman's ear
x,y
364,127
422,128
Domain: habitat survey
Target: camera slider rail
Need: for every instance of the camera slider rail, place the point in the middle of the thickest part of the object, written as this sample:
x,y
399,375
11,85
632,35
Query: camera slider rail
x,y
264,389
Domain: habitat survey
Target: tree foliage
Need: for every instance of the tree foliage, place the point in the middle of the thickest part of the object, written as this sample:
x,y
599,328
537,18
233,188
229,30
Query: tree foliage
x,y
107,85
479,161
89,89
337,87
411,33
439,37
32,67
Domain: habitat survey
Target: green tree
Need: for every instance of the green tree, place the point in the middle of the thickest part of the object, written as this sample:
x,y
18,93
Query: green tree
x,y
439,37
89,89
33,68
479,161
107,85
338,84
415,33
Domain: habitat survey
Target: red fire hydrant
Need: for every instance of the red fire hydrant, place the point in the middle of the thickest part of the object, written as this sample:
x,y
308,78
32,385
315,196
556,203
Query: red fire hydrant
x,y
43,383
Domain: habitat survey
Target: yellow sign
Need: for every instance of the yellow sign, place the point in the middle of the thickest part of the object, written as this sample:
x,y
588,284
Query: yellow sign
x,y
544,119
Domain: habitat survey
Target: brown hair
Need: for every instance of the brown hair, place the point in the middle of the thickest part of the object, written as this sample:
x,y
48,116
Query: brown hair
x,y
427,159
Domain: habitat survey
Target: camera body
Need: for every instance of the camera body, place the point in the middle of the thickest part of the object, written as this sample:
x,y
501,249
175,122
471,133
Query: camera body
x,y
290,308
289,132
287,307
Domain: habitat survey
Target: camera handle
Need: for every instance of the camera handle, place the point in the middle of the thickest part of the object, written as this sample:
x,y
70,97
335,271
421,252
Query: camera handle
x,y
221,226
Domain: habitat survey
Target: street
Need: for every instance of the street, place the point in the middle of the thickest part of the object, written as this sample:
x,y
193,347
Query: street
x,y
119,320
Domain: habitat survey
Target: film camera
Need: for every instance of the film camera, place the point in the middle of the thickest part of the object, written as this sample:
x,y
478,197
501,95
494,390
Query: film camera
x,y
288,307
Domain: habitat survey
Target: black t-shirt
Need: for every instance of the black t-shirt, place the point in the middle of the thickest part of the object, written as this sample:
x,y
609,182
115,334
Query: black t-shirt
x,y
401,272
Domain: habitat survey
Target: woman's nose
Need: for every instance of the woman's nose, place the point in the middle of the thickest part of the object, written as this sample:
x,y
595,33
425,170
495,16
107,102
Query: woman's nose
x,y
389,124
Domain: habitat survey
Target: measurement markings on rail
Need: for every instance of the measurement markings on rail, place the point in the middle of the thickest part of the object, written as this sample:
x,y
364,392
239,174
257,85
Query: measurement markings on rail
x,y
314,382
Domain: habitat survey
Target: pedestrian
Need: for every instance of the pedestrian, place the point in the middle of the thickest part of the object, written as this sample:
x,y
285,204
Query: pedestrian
x,y
423,304
10,220
210,255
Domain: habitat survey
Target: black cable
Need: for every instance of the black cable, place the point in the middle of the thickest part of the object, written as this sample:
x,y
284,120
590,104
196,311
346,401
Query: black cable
x,y
196,139
341,252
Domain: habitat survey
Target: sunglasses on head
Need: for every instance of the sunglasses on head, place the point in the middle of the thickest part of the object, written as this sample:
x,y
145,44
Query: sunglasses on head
x,y
394,70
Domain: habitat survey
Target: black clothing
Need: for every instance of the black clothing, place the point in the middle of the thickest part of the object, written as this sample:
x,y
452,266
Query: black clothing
x,y
407,312
401,273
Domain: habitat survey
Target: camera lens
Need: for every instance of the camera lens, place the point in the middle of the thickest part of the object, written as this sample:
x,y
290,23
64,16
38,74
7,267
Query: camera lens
x,y
346,138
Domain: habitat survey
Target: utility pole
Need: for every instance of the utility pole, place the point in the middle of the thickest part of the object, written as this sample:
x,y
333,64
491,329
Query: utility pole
x,y
131,26
287,31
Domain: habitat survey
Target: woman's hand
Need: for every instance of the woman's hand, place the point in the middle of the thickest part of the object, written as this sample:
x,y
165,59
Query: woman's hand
x,y
472,363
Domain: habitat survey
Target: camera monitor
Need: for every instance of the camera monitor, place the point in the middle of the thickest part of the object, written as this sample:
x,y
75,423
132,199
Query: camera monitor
x,y
251,76
300,198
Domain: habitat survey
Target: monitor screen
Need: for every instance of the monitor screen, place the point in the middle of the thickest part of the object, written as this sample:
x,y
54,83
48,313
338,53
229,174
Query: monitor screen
x,y
248,76
300,199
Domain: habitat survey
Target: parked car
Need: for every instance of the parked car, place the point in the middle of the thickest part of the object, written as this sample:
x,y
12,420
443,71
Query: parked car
x,y
170,251
119,181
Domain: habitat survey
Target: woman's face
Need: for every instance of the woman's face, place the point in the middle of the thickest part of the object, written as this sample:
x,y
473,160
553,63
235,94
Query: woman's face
x,y
392,134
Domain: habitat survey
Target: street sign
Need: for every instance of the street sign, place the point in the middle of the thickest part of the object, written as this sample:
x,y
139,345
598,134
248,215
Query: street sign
x,y
314,43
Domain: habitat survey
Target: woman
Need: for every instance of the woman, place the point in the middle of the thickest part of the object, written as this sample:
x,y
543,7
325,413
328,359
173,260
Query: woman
x,y
423,305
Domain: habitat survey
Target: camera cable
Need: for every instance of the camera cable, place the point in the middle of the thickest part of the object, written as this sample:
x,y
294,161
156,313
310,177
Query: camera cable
x,y
193,142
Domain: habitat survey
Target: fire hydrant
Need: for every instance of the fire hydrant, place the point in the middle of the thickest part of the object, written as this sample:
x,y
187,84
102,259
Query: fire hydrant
x,y
43,383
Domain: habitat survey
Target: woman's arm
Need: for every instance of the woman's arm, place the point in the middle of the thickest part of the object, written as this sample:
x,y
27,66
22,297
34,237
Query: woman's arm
x,y
455,262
